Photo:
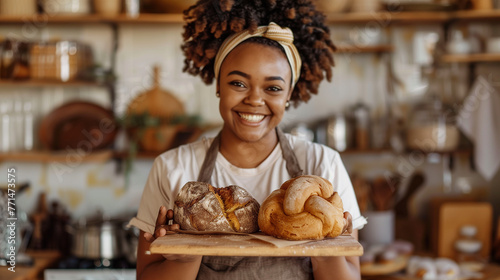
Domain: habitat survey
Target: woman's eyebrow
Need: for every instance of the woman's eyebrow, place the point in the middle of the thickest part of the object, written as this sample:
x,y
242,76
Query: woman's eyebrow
x,y
245,75
235,72
275,78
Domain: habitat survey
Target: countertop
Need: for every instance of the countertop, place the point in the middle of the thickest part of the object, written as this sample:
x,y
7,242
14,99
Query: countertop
x,y
490,272
41,261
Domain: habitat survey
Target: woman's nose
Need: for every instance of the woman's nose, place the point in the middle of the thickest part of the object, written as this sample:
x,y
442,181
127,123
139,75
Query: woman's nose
x,y
254,97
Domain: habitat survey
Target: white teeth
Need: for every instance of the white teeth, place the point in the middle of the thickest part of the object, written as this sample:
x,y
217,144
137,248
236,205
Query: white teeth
x,y
251,117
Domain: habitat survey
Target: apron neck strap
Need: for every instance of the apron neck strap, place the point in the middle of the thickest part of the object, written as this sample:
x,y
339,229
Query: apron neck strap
x,y
208,166
292,164
209,163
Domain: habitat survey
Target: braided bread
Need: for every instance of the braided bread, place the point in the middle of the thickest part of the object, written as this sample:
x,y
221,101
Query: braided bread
x,y
202,207
305,207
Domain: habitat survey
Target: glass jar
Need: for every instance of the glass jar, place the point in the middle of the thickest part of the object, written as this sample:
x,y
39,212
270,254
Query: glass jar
x,y
432,126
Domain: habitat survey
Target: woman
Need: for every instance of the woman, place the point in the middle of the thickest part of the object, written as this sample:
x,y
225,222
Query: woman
x,y
259,69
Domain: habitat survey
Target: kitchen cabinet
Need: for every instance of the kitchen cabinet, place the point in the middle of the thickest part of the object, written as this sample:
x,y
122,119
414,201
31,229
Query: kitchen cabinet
x,y
382,19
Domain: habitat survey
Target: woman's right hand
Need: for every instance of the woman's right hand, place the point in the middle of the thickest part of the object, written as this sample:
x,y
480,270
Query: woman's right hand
x,y
164,227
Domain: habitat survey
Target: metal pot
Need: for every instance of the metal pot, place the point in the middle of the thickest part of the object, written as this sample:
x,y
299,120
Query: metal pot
x,y
339,132
336,132
102,240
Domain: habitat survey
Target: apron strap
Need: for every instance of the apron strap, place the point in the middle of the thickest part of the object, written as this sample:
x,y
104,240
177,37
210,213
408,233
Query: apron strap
x,y
292,164
209,163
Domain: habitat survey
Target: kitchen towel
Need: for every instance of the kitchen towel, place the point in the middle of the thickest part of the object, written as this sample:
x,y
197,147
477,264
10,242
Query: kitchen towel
x,y
479,120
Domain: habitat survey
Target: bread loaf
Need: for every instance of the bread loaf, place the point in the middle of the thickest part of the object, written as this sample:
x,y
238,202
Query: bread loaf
x,y
305,207
202,207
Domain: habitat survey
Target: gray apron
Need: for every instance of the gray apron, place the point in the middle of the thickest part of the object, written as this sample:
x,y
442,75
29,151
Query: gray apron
x,y
244,268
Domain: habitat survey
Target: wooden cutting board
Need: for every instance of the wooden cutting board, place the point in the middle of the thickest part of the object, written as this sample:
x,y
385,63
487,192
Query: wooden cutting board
x,y
246,245
454,215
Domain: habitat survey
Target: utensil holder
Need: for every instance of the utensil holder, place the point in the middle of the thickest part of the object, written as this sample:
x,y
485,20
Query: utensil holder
x,y
380,228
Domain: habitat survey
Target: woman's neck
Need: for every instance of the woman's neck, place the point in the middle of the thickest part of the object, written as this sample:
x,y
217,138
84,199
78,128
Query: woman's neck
x,y
246,154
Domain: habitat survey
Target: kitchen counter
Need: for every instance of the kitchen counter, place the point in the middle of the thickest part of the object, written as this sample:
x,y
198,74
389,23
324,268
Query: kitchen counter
x,y
41,261
490,272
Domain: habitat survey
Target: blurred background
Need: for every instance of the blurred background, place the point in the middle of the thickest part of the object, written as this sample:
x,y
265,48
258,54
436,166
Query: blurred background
x,y
92,91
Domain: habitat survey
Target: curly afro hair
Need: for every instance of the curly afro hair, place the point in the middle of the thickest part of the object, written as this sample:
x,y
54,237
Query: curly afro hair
x,y
210,22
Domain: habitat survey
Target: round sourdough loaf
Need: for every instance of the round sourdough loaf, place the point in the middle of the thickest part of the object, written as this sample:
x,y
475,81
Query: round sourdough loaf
x,y
202,207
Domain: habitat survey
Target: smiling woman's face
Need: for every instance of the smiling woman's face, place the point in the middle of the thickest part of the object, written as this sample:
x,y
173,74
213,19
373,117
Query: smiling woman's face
x,y
254,86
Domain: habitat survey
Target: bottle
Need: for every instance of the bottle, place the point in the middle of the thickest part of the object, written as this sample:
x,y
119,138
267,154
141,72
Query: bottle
x,y
458,44
17,125
362,118
5,127
28,126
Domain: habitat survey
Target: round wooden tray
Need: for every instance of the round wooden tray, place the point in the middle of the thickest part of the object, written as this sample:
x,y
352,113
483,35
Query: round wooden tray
x,y
383,269
77,124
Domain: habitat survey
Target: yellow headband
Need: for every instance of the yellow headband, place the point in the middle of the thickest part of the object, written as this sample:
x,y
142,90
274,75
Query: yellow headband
x,y
283,36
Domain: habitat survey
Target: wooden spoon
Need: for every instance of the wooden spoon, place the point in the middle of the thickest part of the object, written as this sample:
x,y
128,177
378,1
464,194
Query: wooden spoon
x,y
401,207
382,193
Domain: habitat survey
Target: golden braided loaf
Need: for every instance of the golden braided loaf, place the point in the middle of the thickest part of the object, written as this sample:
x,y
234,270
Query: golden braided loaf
x,y
305,207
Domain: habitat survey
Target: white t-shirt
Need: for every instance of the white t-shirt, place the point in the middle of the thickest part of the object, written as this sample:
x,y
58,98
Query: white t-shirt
x,y
172,169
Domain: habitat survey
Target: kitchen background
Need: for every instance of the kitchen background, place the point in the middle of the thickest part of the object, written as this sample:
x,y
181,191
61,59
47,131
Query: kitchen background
x,y
382,79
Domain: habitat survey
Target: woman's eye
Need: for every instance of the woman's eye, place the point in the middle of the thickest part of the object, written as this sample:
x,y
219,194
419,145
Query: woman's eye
x,y
237,84
274,88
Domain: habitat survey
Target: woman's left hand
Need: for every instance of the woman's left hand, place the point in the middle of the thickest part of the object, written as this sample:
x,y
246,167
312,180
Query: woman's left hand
x,y
348,223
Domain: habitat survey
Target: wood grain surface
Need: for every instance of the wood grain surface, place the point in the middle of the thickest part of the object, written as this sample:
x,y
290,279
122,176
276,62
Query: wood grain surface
x,y
246,245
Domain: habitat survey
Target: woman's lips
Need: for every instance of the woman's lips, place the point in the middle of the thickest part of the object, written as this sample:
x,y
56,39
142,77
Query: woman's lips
x,y
253,118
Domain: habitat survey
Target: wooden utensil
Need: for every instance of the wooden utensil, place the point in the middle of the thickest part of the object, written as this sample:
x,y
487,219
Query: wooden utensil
x,y
362,190
383,192
496,246
401,207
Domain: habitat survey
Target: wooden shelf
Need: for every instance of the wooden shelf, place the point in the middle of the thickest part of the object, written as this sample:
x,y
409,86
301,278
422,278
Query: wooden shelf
x,y
48,83
139,155
470,58
85,19
492,15
148,18
387,18
48,156
365,49
366,152
44,18
383,18
354,152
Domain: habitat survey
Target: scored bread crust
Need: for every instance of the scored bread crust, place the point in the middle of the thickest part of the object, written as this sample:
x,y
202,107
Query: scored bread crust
x,y
200,206
305,207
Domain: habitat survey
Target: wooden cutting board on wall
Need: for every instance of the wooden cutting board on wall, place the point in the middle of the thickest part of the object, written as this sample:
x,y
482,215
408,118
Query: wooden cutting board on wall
x,y
454,215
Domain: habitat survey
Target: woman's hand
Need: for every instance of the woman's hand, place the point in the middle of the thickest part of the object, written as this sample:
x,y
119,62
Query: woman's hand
x,y
163,227
348,223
